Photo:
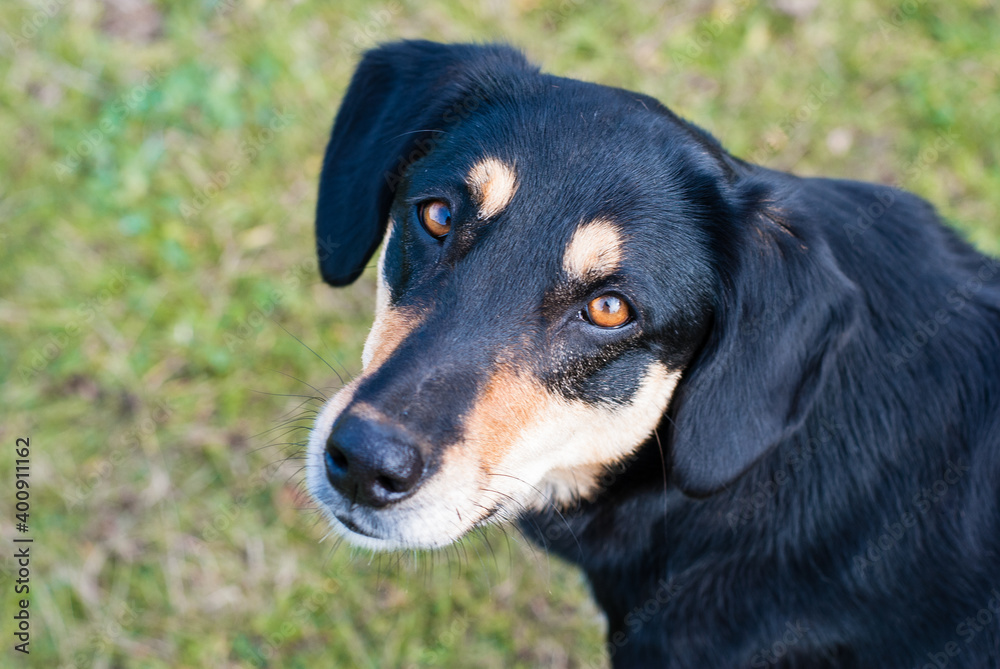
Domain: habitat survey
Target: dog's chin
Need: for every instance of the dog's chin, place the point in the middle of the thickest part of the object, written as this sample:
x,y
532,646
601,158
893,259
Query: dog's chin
x,y
363,539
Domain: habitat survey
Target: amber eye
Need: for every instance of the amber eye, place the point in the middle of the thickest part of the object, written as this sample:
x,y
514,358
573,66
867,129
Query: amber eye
x,y
435,216
608,311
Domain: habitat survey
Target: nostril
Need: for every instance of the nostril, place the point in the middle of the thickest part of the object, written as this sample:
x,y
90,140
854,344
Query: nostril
x,y
399,473
336,465
335,458
392,485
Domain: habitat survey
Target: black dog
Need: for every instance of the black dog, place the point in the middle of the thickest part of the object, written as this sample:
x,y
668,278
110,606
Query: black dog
x,y
762,412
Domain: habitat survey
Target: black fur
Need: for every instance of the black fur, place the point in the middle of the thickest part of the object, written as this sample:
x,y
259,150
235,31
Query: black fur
x,y
823,491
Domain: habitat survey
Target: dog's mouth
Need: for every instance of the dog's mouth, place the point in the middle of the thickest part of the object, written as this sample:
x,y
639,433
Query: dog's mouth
x,y
354,527
363,534
485,520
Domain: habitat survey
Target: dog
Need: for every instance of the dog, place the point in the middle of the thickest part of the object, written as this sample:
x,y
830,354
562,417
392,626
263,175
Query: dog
x,y
760,411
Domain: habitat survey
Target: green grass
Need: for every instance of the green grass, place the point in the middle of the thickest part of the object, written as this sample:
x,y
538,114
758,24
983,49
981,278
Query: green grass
x,y
155,246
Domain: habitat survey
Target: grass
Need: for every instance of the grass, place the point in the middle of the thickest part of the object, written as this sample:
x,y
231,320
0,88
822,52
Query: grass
x,y
155,243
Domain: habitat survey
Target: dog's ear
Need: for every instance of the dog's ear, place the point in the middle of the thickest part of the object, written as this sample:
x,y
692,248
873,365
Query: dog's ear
x,y
782,316
401,95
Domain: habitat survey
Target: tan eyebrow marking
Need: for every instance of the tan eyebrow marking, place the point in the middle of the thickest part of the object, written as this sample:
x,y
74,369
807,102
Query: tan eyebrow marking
x,y
493,184
594,250
542,448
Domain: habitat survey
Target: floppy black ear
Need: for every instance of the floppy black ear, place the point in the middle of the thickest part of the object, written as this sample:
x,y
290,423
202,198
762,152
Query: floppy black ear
x,y
401,95
783,314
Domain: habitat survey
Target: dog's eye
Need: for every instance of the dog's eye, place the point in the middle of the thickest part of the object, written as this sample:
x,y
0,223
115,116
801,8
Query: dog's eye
x,y
435,216
607,311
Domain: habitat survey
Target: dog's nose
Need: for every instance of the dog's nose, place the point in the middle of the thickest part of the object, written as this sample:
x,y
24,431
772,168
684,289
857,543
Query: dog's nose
x,y
371,464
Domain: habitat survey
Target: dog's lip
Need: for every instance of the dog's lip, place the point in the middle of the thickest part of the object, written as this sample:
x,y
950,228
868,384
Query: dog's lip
x,y
486,517
353,527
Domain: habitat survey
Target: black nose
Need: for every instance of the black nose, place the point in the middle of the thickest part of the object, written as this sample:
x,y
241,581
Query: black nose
x,y
370,463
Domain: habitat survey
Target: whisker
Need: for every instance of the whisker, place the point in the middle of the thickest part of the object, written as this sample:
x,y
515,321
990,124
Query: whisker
x,y
281,424
321,359
308,397
344,369
551,505
320,392
663,466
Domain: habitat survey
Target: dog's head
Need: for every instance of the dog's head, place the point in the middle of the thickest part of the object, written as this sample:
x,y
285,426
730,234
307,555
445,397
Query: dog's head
x,y
563,266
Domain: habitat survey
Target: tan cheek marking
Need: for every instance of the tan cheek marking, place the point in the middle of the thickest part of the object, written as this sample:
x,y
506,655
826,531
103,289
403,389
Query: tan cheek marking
x,y
493,184
507,405
594,250
567,445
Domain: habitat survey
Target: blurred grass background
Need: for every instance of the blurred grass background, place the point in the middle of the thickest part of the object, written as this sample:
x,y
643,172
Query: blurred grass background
x,y
156,243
